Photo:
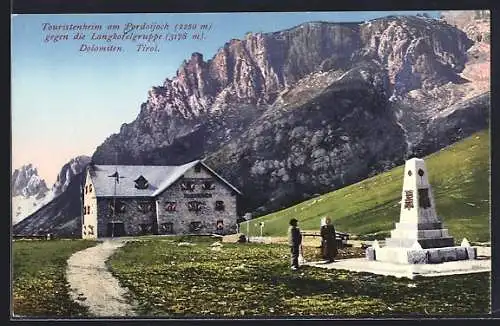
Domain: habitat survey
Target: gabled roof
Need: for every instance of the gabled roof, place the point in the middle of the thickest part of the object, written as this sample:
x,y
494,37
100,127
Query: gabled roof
x,y
159,179
221,178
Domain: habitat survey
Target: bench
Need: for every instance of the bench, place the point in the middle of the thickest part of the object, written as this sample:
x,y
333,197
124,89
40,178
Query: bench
x,y
341,237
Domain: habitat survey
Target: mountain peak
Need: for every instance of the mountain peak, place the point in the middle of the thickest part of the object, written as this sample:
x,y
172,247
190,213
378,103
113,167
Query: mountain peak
x,y
26,182
68,171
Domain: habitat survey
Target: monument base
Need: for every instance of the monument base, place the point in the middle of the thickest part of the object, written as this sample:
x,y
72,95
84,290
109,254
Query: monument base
x,y
420,256
425,243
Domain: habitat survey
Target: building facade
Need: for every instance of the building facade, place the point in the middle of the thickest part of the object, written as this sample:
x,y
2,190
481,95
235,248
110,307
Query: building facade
x,y
128,200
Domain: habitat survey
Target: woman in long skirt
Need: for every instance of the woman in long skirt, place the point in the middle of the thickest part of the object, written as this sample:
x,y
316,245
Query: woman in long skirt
x,y
328,241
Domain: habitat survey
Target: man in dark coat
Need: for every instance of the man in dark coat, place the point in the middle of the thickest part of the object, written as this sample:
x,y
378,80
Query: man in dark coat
x,y
328,241
294,240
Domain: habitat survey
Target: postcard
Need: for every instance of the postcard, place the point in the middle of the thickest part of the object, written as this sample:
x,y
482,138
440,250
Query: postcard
x,y
251,165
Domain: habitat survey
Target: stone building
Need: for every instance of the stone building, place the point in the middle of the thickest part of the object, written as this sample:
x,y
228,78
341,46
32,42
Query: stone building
x,y
120,200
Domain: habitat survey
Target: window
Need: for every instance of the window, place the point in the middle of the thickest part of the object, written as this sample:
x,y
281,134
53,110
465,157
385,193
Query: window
x,y
219,205
220,225
208,185
91,230
90,188
187,186
197,168
194,206
167,227
195,226
141,183
146,228
145,207
86,189
88,209
170,206
117,206
84,210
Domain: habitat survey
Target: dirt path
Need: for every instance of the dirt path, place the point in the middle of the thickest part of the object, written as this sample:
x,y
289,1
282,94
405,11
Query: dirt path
x,y
92,285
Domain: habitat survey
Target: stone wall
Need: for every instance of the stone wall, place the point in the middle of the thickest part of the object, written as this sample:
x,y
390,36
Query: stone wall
x,y
130,213
193,209
205,217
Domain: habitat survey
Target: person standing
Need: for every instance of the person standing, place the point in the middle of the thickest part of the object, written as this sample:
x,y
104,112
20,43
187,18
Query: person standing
x,y
294,240
328,241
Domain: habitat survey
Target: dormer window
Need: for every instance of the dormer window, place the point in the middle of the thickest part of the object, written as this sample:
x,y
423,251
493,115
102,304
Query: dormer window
x,y
141,183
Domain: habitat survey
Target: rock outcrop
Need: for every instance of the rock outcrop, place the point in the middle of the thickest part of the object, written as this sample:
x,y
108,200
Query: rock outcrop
x,y
26,182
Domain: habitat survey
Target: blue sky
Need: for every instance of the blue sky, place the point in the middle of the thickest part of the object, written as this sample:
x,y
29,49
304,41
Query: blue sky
x,y
65,102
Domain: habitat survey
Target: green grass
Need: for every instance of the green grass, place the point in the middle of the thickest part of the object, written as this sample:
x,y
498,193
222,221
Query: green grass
x,y
39,283
459,176
247,280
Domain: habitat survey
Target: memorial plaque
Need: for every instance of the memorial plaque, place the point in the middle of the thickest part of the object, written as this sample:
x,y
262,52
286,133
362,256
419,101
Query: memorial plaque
x,y
423,198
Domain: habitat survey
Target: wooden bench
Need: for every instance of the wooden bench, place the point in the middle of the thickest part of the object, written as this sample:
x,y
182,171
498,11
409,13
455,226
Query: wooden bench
x,y
341,237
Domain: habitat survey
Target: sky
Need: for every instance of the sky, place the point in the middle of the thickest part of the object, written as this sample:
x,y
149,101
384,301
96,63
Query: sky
x,y
66,102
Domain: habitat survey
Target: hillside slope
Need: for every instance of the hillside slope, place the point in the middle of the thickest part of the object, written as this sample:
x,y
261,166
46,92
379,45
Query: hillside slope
x,y
459,175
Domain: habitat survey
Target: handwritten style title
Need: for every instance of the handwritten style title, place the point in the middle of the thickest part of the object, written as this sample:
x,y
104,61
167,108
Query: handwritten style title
x,y
145,37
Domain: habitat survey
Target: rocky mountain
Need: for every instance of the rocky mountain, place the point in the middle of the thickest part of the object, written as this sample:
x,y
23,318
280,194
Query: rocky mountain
x,y
289,114
60,217
26,182
475,23
336,135
250,73
30,192
68,171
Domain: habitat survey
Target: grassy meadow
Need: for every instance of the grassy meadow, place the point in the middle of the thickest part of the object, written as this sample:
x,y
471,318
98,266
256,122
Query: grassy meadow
x,y
39,278
167,279
248,280
459,176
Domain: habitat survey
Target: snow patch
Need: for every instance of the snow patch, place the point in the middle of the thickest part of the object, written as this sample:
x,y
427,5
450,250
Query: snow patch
x,y
23,207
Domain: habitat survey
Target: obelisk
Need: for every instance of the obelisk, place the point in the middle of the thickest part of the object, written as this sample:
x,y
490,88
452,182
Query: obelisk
x,y
419,237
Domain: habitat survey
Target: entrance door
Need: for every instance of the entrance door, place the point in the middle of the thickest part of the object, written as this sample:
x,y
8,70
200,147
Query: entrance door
x,y
115,229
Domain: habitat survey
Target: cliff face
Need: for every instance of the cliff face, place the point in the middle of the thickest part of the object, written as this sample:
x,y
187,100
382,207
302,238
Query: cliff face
x,y
340,134
251,73
289,114
26,182
68,171
220,106
475,23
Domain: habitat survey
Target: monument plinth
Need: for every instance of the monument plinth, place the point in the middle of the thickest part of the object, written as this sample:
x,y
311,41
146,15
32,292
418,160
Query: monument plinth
x,y
419,237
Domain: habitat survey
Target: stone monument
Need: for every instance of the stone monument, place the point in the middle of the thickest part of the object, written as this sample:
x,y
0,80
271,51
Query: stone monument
x,y
419,237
